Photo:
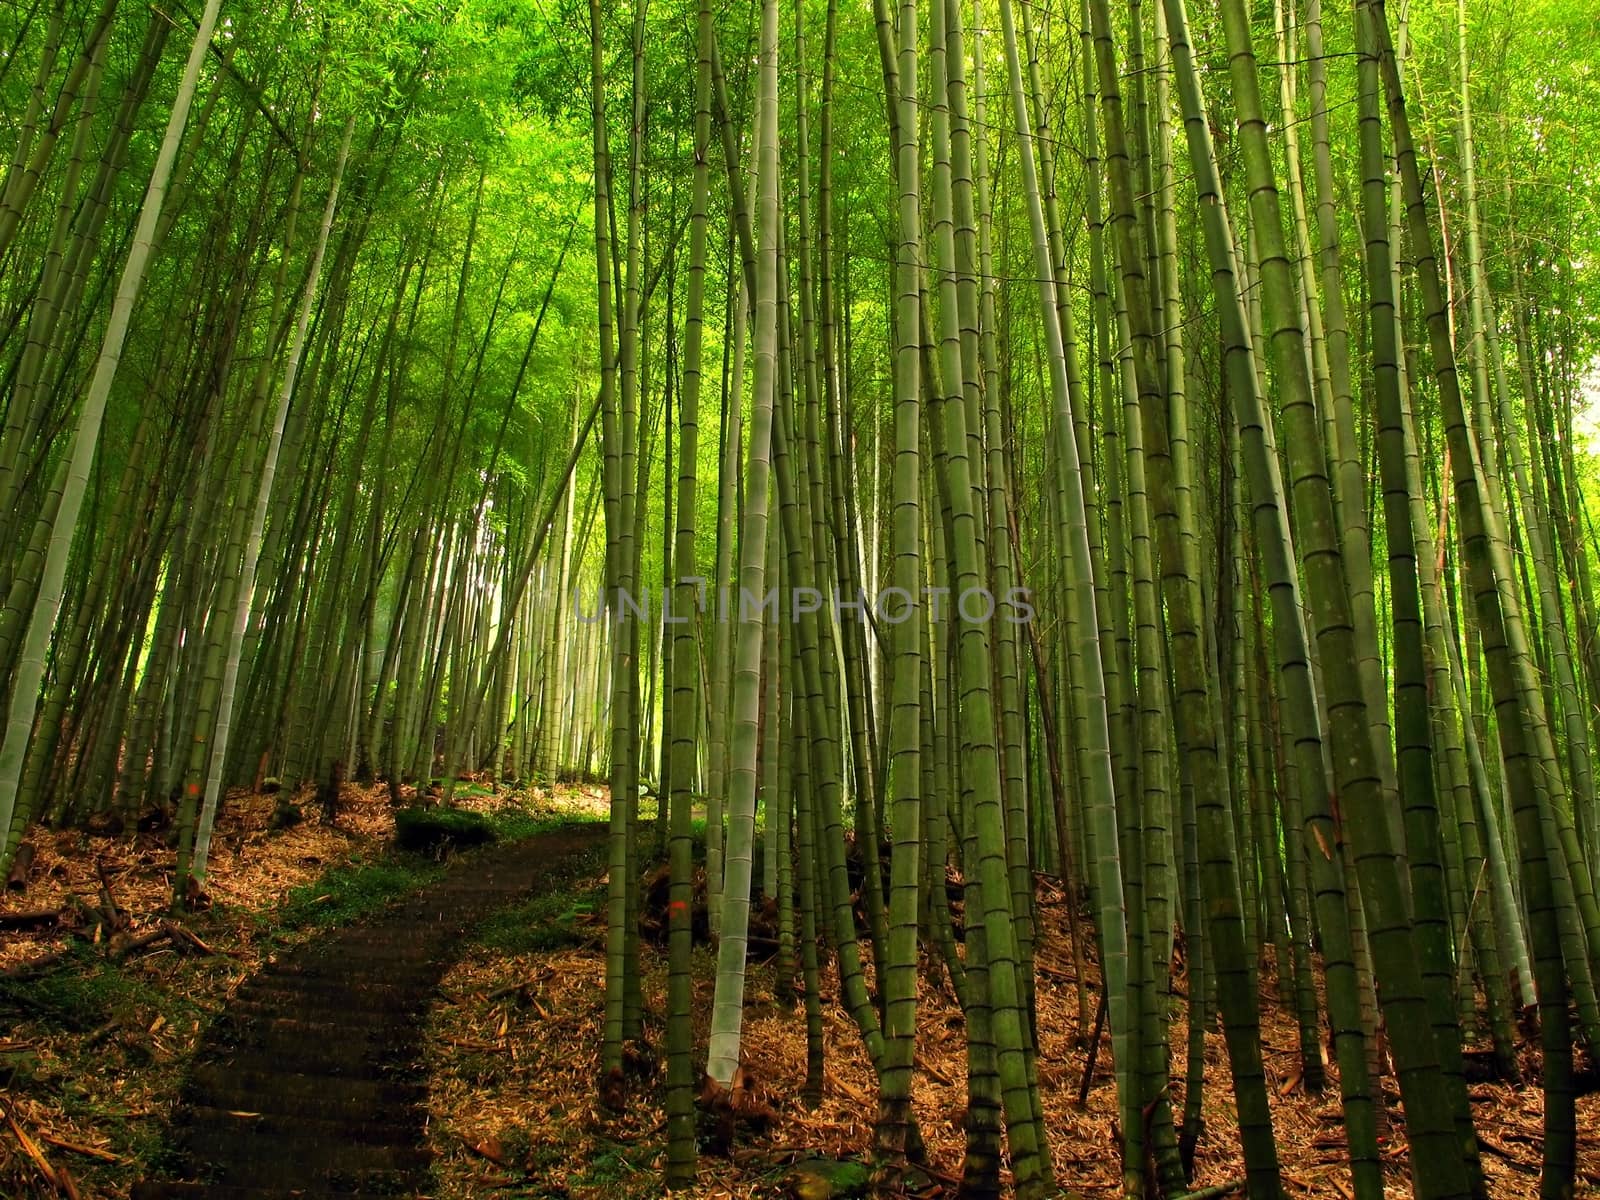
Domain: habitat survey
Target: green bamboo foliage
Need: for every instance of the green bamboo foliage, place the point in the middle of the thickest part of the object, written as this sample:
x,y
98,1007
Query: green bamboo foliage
x,y
1112,585
1359,774
280,498
1560,702
612,432
195,844
623,1007
838,520
35,149
1088,698
55,279
1479,873
1432,929
722,630
1136,810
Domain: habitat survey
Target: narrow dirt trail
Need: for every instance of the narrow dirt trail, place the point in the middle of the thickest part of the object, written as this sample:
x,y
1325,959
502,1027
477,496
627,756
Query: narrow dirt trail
x,y
311,1084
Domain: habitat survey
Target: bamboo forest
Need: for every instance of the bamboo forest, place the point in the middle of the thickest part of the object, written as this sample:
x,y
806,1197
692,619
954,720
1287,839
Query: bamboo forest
x,y
835,598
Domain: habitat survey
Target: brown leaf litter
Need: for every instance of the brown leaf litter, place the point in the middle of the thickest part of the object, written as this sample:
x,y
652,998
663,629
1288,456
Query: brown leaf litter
x,y
514,1064
84,1103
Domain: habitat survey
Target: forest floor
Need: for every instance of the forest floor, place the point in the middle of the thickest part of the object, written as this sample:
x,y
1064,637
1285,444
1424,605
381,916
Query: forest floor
x,y
94,1052
103,1007
514,1061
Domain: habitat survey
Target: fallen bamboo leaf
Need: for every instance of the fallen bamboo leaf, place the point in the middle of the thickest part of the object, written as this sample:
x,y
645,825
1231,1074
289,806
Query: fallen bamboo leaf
x,y
79,1148
31,1149
489,1148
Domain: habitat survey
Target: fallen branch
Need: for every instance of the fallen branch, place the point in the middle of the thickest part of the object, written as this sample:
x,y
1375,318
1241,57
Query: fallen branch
x,y
850,1092
108,901
927,1169
1214,1193
1055,973
33,918
79,1148
500,993
121,946
1506,1156
17,878
102,1033
56,1177
1094,1050
35,966
488,1149
183,934
30,1147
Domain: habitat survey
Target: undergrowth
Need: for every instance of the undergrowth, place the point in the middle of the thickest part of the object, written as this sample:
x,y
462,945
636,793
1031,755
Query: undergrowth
x,y
555,921
352,890
85,992
97,1046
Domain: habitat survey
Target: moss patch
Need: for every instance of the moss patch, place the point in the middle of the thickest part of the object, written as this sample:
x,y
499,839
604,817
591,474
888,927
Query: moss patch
x,y
553,922
439,830
354,889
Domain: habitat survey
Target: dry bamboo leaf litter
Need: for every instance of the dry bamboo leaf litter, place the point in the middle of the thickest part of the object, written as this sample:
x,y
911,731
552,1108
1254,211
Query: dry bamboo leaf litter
x,y
536,1097
95,1098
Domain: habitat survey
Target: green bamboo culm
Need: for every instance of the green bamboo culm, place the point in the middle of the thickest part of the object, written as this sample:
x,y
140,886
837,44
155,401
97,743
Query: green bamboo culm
x,y
728,1001
1502,639
1412,718
1430,1115
904,745
1195,704
681,1144
71,483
